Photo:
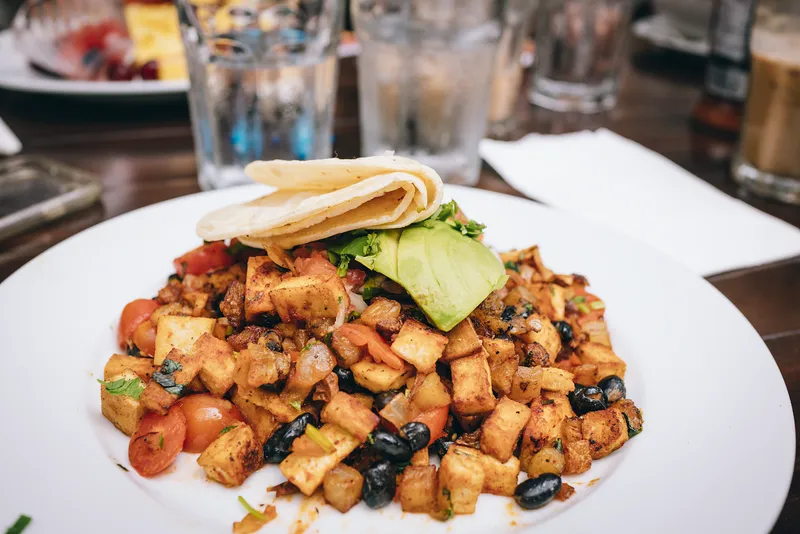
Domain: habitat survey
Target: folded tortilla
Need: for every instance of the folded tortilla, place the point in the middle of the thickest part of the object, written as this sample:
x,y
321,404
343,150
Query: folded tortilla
x,y
322,198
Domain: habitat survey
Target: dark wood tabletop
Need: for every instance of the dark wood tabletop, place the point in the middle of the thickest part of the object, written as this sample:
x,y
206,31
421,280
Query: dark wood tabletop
x,y
143,154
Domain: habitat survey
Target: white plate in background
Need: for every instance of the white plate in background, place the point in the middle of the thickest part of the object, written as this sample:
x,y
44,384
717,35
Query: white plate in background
x,y
716,453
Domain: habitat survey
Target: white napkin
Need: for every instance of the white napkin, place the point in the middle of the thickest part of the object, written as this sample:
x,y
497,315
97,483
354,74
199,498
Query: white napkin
x,y
617,182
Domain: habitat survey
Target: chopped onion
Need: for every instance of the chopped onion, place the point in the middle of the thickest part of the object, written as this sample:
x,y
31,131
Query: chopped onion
x,y
357,301
535,324
341,313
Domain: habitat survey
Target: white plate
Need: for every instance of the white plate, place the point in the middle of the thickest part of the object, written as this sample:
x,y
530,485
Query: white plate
x,y
716,454
17,75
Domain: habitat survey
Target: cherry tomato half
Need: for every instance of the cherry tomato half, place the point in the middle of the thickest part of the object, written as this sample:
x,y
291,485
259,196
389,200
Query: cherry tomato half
x,y
206,416
133,314
205,258
144,337
157,441
434,419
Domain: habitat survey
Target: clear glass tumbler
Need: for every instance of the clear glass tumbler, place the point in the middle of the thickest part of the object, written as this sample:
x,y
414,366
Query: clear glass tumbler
x,y
263,82
578,54
768,162
425,74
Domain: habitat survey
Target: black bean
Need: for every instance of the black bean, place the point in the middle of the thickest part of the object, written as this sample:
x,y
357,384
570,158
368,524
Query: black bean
x,y
347,382
418,434
536,492
564,330
279,445
613,388
379,485
587,399
382,399
391,446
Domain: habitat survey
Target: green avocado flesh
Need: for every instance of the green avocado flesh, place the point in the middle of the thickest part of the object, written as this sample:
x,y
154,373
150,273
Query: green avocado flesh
x,y
446,273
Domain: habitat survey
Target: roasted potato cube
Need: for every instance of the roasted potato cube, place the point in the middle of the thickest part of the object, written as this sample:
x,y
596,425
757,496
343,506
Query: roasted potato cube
x,y
232,457
218,364
429,392
472,385
550,300
419,345
501,430
526,385
604,358
606,431
417,491
155,398
632,414
378,377
263,423
585,374
597,332
545,424
262,276
500,478
577,457
383,315
309,297
347,352
176,332
307,472
503,363
460,482
555,379
572,429
119,363
345,411
122,410
180,370
548,337
365,399
342,487
421,457
462,341
547,460
270,401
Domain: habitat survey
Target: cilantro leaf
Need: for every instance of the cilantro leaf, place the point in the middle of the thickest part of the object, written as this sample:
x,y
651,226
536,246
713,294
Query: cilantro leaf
x,y
511,265
160,440
236,248
19,525
165,378
447,213
296,405
632,431
370,438
344,264
250,510
227,429
559,445
129,387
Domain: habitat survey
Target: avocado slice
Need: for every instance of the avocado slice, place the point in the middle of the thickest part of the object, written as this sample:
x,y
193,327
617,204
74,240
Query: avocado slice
x,y
446,273
385,261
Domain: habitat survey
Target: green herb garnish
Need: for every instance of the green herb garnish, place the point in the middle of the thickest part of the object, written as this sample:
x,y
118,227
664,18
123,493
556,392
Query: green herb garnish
x,y
352,316
296,405
583,308
348,247
227,429
236,248
160,440
123,467
558,445
370,438
447,214
449,512
129,387
328,338
250,510
579,299
320,439
547,401
165,378
19,525
597,305
631,430
513,266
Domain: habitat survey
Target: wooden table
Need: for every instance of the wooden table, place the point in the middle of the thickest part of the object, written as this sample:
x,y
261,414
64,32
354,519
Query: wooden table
x,y
144,154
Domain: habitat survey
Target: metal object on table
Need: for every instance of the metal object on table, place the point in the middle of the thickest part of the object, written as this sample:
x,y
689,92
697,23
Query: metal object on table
x,y
263,83
579,45
768,162
35,190
425,73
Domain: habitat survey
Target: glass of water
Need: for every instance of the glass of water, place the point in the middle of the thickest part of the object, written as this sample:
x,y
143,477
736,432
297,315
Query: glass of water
x,y
579,47
263,82
425,76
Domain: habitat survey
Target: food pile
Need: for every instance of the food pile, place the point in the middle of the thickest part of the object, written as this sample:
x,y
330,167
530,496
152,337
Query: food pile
x,y
354,359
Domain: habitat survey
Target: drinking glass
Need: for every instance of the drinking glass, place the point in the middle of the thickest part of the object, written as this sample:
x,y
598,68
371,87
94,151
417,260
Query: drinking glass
x,y
578,54
263,82
768,161
425,73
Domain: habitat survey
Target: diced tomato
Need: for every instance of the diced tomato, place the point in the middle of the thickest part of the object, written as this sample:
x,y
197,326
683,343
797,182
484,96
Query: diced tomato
x,y
354,279
157,441
144,337
133,314
206,416
362,335
304,251
203,259
434,419
316,263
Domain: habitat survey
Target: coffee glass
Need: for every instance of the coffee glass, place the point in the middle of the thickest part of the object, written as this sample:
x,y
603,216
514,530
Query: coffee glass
x,y
768,161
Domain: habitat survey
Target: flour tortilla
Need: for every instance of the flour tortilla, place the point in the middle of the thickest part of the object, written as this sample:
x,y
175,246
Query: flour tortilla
x,y
322,198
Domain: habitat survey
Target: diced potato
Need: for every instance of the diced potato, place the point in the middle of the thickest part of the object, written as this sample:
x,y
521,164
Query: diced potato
x,y
262,276
365,399
545,424
378,377
345,411
383,315
462,341
232,457
470,423
429,392
500,432
175,332
417,491
263,423
526,385
307,472
555,379
632,414
585,374
572,429
342,487
270,401
577,457
472,385
597,332
606,431
156,399
503,363
119,363
548,337
309,297
460,482
421,457
500,478
419,345
347,352
218,364
550,299
604,358
547,460
122,410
